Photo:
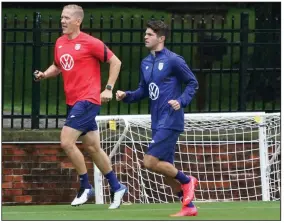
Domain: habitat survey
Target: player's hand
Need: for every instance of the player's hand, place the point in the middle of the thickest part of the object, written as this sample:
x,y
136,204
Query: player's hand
x,y
175,104
106,95
38,75
120,95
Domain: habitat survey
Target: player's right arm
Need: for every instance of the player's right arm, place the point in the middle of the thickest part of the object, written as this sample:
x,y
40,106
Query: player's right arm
x,y
134,96
52,71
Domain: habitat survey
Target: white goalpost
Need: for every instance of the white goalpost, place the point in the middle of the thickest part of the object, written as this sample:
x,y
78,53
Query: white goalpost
x,y
235,156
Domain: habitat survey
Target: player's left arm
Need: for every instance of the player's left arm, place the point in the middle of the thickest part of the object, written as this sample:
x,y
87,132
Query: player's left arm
x,y
114,69
104,54
185,75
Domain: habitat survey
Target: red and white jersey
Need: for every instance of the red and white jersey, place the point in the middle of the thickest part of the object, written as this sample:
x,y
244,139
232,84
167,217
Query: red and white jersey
x,y
79,60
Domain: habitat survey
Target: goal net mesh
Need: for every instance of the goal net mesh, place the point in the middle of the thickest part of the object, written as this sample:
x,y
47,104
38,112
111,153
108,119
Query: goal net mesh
x,y
221,151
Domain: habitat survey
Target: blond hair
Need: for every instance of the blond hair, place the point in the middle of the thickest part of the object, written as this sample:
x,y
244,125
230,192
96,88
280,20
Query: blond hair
x,y
78,10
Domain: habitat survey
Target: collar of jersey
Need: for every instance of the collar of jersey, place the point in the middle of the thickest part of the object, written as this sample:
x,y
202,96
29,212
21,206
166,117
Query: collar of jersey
x,y
70,40
158,53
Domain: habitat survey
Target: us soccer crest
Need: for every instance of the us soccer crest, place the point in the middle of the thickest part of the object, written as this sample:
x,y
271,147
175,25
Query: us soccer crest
x,y
77,46
160,66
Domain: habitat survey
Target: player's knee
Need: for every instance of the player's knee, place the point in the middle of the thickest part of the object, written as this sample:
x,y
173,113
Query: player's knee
x,y
66,145
149,162
93,149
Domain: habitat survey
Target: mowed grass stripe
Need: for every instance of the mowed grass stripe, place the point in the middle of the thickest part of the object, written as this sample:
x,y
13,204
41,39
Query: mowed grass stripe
x,y
207,211
119,210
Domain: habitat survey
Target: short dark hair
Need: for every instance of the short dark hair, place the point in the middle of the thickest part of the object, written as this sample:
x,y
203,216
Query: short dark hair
x,y
159,27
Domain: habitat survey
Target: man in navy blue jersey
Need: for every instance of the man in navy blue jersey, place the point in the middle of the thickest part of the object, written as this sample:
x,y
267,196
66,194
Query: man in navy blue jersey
x,y
162,74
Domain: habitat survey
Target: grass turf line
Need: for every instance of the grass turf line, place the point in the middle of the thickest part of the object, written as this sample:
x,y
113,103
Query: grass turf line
x,y
207,211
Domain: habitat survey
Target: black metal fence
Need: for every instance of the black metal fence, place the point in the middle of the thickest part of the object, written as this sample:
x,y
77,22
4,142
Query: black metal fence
x,y
236,61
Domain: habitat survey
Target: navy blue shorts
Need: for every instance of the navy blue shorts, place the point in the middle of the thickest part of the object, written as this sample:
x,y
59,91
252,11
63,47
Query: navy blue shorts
x,y
81,116
163,144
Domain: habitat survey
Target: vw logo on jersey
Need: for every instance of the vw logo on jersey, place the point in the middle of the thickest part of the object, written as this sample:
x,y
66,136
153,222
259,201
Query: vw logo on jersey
x,y
67,61
153,91
160,66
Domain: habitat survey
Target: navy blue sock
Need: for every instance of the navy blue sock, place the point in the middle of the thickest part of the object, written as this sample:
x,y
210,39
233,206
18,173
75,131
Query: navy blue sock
x,y
180,195
84,181
182,178
191,205
112,180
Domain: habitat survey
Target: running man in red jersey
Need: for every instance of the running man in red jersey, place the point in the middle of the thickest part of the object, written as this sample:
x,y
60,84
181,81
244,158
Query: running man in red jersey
x,y
77,56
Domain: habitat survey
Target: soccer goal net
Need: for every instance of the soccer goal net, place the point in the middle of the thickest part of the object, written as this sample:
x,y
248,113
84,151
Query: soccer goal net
x,y
235,156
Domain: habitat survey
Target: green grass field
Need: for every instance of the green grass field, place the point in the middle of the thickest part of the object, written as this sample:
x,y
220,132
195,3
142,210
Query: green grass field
x,y
207,211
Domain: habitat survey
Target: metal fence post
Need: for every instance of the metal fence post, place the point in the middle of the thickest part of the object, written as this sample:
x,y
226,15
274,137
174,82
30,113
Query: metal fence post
x,y
243,60
36,66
